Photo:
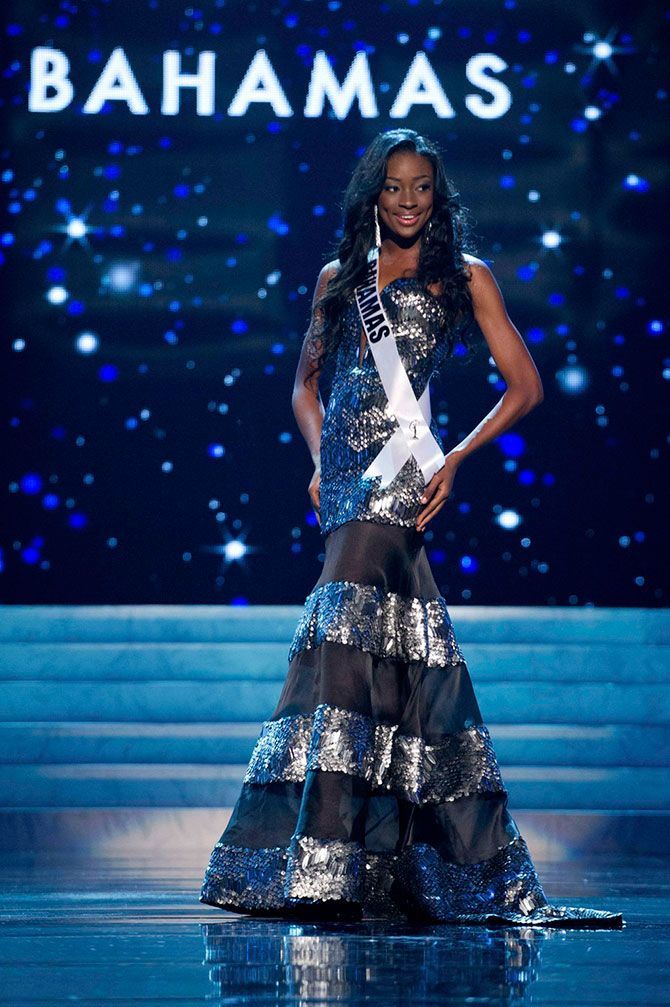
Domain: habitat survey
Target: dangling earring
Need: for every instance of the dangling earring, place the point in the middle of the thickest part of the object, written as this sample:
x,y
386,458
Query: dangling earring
x,y
429,227
378,234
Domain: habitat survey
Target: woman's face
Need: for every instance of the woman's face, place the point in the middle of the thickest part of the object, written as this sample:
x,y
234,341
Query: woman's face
x,y
406,200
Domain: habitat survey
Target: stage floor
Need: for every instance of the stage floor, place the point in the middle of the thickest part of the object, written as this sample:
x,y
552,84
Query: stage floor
x,y
130,930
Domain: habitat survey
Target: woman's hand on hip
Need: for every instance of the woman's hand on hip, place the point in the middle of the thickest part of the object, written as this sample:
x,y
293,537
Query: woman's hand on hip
x,y
435,494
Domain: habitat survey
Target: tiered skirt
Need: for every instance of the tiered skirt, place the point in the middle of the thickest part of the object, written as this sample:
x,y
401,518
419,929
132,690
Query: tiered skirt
x,y
373,790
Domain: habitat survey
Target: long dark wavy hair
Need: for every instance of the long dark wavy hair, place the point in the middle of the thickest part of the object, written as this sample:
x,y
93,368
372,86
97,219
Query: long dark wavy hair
x,y
440,258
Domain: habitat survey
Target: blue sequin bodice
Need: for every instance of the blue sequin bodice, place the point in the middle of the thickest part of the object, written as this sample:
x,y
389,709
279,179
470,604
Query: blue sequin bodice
x,y
357,422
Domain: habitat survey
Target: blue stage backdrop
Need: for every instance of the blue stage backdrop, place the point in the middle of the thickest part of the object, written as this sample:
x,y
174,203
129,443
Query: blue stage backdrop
x,y
172,178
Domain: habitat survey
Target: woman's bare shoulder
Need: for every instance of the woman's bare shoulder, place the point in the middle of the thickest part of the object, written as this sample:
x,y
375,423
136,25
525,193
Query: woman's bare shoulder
x,y
472,260
326,274
331,268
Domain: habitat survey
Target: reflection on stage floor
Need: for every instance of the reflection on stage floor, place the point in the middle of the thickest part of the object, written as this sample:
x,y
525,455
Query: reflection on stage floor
x,y
131,930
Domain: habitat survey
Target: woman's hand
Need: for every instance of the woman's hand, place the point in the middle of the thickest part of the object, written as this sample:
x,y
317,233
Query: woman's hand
x,y
314,492
435,494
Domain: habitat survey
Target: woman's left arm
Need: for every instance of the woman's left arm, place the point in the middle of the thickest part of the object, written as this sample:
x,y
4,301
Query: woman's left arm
x,y
524,386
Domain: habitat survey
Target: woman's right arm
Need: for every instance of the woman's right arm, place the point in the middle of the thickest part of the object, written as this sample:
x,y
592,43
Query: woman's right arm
x,y
306,400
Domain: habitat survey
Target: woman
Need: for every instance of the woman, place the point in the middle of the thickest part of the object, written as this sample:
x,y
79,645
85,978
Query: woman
x,y
374,790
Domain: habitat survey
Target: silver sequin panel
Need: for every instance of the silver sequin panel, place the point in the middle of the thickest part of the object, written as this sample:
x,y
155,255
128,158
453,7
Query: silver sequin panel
x,y
358,420
503,888
337,740
383,623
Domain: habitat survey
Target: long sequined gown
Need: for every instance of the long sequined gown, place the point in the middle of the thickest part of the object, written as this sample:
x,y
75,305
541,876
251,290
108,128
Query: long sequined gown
x,y
373,789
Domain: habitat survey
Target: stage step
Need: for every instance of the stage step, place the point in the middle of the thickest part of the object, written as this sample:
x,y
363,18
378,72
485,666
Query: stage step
x,y
276,623
267,662
515,744
207,785
246,699
158,707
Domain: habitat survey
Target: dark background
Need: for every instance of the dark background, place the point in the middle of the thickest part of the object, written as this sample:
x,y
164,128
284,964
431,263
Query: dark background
x,y
217,227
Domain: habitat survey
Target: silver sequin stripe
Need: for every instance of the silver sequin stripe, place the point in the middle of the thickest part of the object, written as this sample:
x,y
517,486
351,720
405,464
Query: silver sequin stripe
x,y
383,623
343,741
242,878
503,888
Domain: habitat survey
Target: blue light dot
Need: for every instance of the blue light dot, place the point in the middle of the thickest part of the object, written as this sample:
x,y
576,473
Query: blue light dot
x,y
278,348
512,444
108,372
31,482
527,272
30,555
469,564
507,181
238,326
50,501
77,520
655,327
216,450
285,437
276,224
635,183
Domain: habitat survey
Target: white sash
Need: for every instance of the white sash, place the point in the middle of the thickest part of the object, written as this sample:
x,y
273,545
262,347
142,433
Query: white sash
x,y
414,436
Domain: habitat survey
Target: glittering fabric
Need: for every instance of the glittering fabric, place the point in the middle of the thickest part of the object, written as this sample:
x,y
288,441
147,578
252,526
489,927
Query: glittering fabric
x,y
464,763
383,623
239,878
325,869
337,740
505,888
358,422
331,739
506,882
415,883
